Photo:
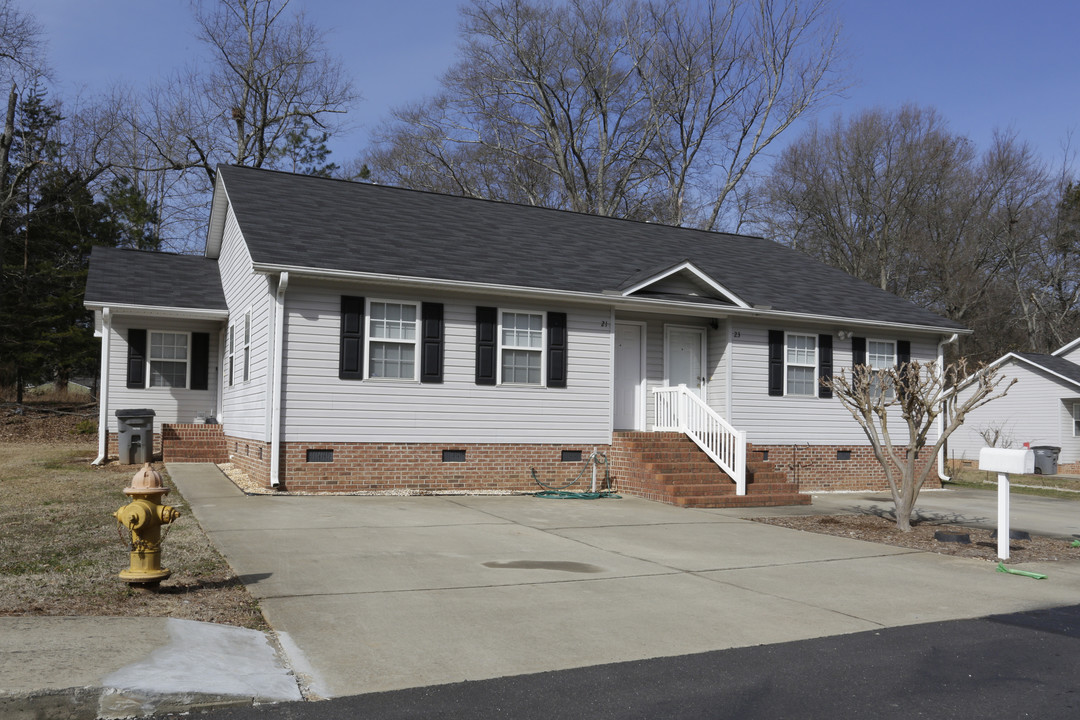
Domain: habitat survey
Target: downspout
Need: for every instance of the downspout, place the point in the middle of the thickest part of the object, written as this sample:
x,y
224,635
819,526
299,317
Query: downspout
x,y
275,398
103,387
941,417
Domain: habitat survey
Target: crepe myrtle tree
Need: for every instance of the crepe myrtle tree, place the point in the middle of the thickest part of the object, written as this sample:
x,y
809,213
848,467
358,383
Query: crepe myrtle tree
x,y
913,395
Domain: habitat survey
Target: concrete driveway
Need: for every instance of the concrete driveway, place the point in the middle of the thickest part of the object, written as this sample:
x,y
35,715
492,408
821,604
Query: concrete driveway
x,y
380,593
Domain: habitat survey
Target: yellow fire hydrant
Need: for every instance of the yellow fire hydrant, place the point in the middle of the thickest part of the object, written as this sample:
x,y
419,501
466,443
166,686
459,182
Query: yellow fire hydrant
x,y
144,516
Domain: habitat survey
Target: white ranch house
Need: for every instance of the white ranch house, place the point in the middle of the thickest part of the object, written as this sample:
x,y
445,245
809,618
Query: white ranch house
x,y
347,336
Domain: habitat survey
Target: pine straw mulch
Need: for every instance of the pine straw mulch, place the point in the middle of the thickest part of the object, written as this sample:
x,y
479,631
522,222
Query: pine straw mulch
x,y
879,529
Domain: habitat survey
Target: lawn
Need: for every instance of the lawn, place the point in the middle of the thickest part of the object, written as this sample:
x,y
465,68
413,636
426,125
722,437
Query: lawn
x,y
61,549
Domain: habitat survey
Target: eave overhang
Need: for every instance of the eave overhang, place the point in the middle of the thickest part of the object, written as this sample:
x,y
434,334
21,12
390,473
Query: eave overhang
x,y
613,299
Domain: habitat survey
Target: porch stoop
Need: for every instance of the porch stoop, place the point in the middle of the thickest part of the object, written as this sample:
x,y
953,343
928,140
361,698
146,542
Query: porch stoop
x,y
669,467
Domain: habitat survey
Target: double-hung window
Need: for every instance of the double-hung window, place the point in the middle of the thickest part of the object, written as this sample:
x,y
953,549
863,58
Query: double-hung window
x,y
880,356
168,359
802,367
1076,419
391,340
521,348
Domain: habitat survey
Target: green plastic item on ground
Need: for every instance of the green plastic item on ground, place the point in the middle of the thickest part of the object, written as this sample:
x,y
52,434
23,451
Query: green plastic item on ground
x,y
1037,576
1075,543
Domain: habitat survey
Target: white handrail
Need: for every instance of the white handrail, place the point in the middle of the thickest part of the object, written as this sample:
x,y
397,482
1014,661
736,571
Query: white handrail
x,y
680,410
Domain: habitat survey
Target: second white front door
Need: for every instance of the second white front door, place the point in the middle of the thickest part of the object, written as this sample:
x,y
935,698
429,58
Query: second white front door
x,y
684,358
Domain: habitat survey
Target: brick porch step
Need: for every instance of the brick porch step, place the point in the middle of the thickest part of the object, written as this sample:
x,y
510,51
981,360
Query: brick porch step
x,y
681,474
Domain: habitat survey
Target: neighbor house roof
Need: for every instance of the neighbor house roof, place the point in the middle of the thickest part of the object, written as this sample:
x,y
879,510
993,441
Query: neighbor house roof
x,y
119,277
296,222
1061,367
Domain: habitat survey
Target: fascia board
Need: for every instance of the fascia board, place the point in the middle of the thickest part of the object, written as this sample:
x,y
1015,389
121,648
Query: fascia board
x,y
687,266
1066,348
615,300
219,210
159,311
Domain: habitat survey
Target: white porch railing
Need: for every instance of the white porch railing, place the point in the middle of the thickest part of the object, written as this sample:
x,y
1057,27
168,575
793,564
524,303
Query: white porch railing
x,y
680,410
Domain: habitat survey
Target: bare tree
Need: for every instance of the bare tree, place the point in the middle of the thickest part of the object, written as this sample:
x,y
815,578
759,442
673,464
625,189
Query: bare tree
x,y
913,395
267,69
650,110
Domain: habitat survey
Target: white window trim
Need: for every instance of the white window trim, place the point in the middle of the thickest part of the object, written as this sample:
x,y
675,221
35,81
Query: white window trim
x,y
815,365
368,341
246,347
230,356
542,349
150,359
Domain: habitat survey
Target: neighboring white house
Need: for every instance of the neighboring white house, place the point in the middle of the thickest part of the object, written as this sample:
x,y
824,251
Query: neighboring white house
x,y
349,336
1042,408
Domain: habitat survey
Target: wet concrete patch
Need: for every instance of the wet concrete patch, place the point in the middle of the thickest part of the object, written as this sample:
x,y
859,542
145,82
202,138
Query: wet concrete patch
x,y
563,565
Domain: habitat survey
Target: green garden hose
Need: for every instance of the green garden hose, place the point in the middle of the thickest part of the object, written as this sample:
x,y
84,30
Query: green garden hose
x,y
1023,573
561,493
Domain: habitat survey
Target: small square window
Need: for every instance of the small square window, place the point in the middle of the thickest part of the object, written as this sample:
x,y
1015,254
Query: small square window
x,y
571,456
843,454
453,456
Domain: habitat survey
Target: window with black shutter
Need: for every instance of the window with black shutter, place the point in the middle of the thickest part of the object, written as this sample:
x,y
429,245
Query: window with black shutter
x,y
486,349
136,359
351,353
431,343
557,345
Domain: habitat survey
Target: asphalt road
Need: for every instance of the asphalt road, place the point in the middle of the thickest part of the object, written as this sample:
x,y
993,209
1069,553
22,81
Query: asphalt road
x,y
1008,666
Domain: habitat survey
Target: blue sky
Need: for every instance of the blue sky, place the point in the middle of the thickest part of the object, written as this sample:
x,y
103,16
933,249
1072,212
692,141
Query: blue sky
x,y
984,64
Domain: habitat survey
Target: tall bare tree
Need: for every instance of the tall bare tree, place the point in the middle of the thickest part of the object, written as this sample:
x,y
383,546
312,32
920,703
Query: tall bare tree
x,y
267,70
651,110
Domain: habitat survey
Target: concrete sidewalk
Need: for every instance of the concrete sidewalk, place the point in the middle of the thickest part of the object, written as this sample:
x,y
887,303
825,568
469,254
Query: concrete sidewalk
x,y
380,593
91,667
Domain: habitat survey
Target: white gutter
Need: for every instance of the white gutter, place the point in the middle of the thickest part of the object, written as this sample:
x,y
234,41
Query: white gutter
x,y
162,311
941,417
103,388
275,379
615,300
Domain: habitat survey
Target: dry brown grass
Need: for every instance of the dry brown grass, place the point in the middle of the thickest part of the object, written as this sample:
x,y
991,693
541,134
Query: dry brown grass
x,y
60,550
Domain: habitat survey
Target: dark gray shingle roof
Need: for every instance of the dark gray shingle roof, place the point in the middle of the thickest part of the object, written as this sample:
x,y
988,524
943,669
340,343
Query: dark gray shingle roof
x,y
300,221
1055,364
135,277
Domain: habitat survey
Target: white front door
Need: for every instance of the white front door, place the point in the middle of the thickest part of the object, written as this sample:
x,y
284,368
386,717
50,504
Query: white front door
x,y
684,358
629,374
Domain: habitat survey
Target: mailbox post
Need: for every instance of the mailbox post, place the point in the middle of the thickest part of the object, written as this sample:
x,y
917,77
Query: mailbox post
x,y
1004,461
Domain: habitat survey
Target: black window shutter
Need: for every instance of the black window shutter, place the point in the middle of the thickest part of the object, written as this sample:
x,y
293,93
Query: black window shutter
x,y
431,343
903,352
858,351
776,362
903,357
557,340
824,364
486,351
351,357
136,364
200,361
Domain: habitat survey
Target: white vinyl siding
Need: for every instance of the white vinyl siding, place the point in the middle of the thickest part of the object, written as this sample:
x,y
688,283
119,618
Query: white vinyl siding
x,y
244,406
318,407
1039,409
170,405
793,420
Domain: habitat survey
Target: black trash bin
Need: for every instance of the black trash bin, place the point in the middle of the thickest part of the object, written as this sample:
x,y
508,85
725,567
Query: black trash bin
x,y
135,436
1046,459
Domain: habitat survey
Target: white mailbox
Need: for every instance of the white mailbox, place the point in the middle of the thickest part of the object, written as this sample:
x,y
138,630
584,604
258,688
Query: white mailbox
x,y
1002,460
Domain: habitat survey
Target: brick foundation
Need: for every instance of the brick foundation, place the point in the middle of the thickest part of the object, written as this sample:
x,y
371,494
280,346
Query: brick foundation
x,y
818,468
418,467
251,456
193,442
